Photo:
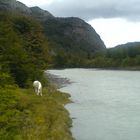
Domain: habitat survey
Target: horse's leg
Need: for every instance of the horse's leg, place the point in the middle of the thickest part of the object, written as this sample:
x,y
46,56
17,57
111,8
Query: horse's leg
x,y
40,91
37,91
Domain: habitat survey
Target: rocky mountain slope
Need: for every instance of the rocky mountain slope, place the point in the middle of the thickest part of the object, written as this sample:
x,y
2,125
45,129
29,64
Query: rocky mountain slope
x,y
73,33
68,38
75,29
14,6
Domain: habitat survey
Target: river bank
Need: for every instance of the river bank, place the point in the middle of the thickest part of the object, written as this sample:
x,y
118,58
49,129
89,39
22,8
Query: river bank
x,y
57,81
24,115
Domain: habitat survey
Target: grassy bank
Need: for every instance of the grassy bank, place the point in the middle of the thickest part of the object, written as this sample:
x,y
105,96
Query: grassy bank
x,y
25,116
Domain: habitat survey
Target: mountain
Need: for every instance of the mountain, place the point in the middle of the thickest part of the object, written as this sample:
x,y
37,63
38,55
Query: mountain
x,y
41,15
129,44
57,42
131,49
73,33
14,6
69,39
18,7
69,33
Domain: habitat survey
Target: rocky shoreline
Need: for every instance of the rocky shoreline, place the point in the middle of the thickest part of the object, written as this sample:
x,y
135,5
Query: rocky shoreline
x,y
57,81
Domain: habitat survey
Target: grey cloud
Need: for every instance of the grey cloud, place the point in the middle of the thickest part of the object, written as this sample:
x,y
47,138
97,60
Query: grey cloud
x,y
91,9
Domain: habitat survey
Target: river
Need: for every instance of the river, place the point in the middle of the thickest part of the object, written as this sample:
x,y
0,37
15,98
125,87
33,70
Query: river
x,y
106,103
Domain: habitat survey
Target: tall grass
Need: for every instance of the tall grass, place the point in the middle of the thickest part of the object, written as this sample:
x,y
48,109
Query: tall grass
x,y
26,116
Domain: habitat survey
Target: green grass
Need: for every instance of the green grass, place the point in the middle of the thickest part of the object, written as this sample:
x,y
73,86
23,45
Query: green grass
x,y
26,116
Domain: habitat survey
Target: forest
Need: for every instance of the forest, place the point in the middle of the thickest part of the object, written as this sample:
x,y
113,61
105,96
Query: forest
x,y
23,50
125,56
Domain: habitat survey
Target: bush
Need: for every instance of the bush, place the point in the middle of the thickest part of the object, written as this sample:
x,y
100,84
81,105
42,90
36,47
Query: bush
x,y
5,79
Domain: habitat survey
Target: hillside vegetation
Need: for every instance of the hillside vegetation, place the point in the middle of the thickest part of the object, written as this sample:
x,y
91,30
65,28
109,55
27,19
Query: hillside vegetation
x,y
23,56
125,56
58,42
23,49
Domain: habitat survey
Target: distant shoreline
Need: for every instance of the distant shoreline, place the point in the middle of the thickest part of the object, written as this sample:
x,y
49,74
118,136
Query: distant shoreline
x,y
99,68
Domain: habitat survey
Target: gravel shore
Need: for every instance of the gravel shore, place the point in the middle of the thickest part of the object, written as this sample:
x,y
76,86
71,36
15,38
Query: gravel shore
x,y
57,81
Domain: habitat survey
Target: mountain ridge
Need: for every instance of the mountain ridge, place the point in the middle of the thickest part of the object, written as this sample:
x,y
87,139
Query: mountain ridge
x,y
71,41
73,28
87,35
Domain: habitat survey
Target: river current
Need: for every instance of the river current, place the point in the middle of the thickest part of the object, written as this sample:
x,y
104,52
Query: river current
x,y
106,103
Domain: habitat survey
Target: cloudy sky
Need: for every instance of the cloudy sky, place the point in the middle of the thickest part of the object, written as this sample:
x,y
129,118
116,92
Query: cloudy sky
x,y
117,22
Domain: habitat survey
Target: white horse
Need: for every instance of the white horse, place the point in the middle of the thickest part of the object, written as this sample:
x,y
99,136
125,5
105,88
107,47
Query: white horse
x,y
37,87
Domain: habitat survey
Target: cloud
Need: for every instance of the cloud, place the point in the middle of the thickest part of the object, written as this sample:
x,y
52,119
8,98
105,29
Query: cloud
x,y
91,9
116,31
